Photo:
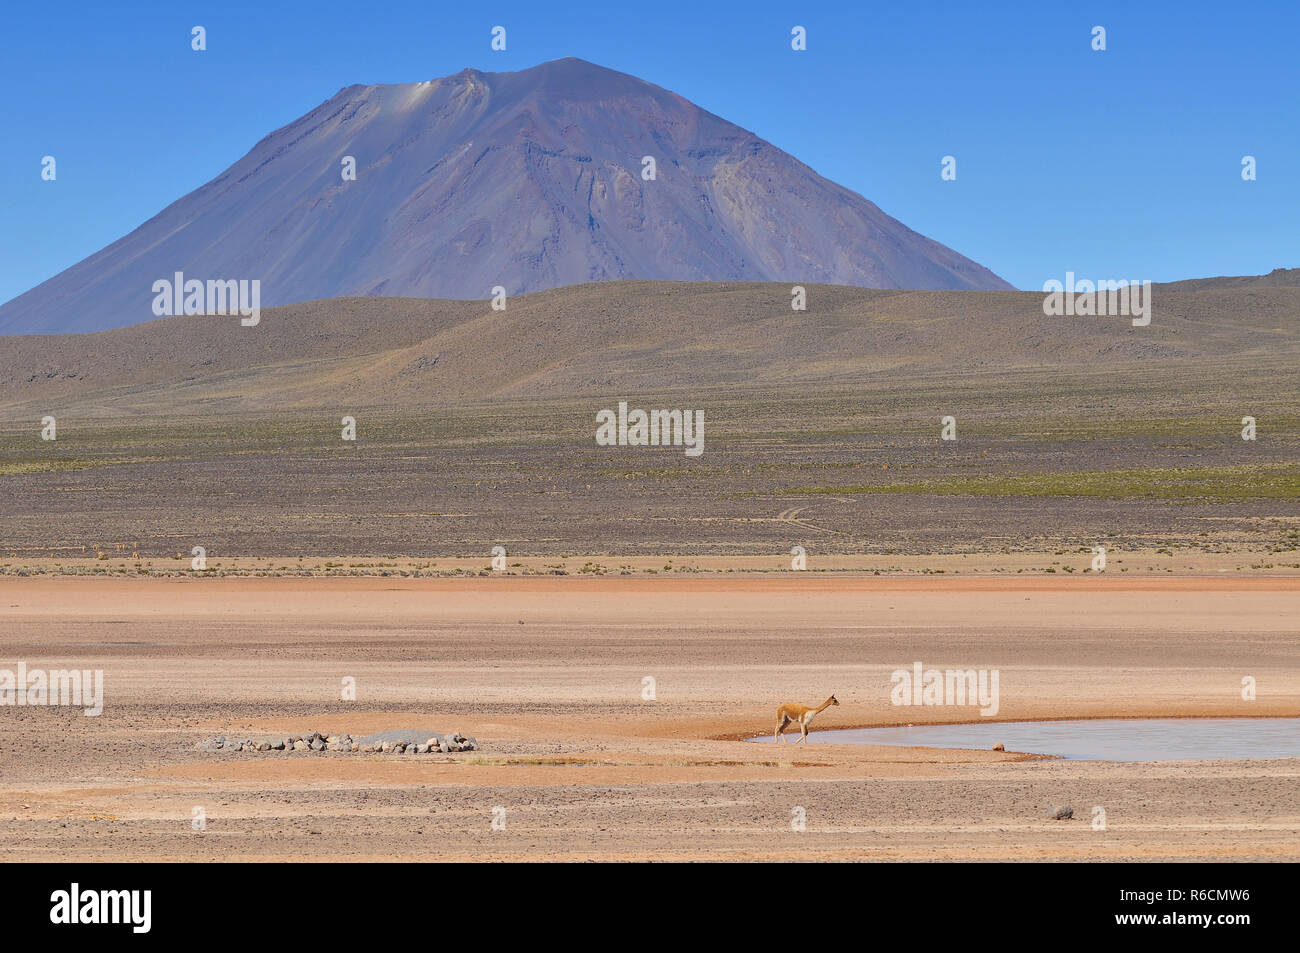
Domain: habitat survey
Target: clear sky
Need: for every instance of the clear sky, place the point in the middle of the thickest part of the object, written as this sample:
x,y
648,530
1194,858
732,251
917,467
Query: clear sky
x,y
1117,164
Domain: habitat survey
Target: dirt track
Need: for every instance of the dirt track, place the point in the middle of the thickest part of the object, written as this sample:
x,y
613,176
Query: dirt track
x,y
547,673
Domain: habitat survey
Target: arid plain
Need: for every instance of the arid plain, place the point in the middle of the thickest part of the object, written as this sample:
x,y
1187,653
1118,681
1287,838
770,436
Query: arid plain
x,y
369,560
548,675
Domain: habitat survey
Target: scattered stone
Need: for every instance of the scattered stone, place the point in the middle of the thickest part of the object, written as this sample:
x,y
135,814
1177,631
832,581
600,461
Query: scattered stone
x,y
403,741
1061,814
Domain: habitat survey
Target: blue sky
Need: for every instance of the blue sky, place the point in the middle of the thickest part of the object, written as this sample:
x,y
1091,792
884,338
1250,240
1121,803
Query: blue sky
x,y
1117,164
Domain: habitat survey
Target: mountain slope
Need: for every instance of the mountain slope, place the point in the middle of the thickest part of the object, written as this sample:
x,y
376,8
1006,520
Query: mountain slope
x,y
1277,278
528,180
627,338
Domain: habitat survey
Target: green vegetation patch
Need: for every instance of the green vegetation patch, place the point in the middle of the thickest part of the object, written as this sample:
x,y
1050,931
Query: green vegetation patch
x,y
1273,482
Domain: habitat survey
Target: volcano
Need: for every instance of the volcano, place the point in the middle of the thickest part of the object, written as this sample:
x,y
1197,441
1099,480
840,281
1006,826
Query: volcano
x,y
561,174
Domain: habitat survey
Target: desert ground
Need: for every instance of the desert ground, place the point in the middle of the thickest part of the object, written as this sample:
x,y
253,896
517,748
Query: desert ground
x,y
547,673
1155,464
822,429
328,559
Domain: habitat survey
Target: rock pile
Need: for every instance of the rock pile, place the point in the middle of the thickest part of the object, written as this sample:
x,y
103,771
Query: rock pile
x,y
407,741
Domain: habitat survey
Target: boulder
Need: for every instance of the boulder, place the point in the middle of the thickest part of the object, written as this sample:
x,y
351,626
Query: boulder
x,y
1061,814
406,736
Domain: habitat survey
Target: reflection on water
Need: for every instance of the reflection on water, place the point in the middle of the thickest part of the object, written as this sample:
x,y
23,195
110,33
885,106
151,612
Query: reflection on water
x,y
1110,739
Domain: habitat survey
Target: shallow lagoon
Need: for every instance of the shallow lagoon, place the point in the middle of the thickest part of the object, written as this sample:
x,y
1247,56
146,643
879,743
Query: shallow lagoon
x,y
1102,739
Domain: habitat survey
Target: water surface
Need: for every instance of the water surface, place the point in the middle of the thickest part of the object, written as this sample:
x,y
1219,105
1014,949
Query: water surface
x,y
1101,739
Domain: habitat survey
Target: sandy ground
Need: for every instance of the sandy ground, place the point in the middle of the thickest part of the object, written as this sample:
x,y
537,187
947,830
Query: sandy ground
x,y
548,674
